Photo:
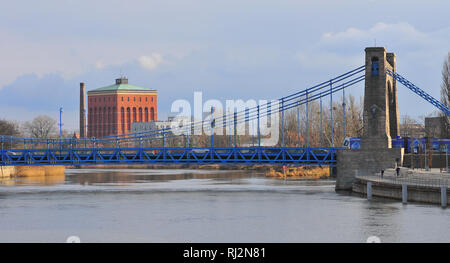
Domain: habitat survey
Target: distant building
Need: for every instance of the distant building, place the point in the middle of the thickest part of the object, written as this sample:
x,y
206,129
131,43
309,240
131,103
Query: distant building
x,y
143,126
412,130
434,127
113,109
155,125
76,136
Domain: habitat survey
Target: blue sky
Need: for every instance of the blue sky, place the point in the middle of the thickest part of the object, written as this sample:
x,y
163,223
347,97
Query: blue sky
x,y
227,49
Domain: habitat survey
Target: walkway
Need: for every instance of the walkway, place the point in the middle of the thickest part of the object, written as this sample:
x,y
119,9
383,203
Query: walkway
x,y
418,177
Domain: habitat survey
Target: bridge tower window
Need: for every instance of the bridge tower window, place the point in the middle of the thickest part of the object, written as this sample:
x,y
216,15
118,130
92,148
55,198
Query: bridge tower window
x,y
375,66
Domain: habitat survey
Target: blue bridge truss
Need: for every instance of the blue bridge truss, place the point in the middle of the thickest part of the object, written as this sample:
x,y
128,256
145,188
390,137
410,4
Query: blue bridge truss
x,y
172,155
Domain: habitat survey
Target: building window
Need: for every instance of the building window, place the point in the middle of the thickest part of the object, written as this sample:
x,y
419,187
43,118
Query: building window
x,y
146,114
140,99
146,99
122,119
134,99
152,99
128,118
122,98
128,99
114,120
152,114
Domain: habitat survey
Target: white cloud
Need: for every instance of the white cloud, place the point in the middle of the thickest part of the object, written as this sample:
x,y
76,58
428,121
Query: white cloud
x,y
70,57
403,29
398,34
152,61
419,55
99,65
346,47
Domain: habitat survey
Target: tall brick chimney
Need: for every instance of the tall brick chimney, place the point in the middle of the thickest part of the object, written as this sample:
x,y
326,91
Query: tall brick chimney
x,y
82,111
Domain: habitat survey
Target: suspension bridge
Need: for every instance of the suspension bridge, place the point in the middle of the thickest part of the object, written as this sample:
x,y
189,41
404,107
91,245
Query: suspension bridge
x,y
157,147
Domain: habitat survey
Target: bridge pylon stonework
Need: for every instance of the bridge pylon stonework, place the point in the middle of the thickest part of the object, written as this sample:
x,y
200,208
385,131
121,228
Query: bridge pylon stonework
x,y
380,119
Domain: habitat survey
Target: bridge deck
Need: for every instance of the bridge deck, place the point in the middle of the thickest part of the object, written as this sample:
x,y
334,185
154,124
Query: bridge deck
x,y
171,155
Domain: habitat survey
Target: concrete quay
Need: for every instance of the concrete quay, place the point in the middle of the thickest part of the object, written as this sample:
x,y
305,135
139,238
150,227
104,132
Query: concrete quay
x,y
410,186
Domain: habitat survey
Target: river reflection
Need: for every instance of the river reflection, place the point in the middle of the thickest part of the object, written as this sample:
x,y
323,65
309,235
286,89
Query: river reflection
x,y
204,206
119,176
34,180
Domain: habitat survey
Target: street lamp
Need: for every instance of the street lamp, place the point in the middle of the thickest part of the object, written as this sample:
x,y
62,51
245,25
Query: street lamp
x,y
446,157
60,123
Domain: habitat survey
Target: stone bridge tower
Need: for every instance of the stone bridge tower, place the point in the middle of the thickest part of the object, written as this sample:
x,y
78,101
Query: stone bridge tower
x,y
381,123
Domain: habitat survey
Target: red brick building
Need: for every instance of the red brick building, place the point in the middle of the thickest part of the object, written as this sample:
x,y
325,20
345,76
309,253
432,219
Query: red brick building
x,y
112,109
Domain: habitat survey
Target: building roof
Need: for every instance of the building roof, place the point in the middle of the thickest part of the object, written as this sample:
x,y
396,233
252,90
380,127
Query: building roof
x,y
122,85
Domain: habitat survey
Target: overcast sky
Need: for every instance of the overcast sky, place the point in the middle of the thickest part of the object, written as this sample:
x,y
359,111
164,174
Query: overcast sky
x,y
234,49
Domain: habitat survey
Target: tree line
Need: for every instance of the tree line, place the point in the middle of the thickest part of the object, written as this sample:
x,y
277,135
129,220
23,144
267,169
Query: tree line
x,y
445,94
42,126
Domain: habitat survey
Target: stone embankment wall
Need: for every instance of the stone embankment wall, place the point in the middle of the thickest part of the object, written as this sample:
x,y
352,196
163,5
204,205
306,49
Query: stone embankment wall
x,y
415,193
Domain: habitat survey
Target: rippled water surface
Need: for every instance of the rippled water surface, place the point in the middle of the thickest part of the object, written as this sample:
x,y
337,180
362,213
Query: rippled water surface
x,y
203,206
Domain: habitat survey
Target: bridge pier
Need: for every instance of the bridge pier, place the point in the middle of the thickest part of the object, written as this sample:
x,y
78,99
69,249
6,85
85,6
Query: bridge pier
x,y
381,123
363,162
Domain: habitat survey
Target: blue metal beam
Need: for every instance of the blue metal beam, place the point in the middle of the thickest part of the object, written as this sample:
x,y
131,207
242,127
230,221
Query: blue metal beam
x,y
171,155
419,92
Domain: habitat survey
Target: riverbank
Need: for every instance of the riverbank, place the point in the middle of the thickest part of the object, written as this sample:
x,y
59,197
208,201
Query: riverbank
x,y
300,172
278,171
410,186
27,171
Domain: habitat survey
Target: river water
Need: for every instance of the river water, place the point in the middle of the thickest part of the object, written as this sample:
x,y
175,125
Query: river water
x,y
203,206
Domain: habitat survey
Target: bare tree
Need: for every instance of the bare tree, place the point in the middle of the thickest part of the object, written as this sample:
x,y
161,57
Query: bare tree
x,y
319,132
9,128
355,117
445,94
410,127
42,126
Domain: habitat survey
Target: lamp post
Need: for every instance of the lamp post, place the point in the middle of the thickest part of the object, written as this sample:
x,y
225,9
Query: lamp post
x,y
85,127
446,158
60,126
